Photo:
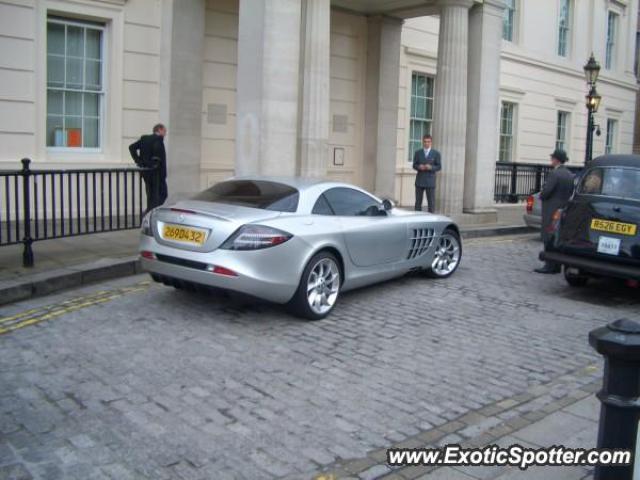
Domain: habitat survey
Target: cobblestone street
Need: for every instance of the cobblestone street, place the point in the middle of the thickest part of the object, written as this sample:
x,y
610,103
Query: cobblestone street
x,y
129,379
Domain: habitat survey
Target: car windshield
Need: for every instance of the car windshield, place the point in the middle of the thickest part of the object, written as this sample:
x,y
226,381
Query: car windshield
x,y
612,182
253,193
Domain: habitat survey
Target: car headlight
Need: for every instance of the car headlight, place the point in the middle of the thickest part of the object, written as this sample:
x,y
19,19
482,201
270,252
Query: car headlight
x,y
145,226
255,237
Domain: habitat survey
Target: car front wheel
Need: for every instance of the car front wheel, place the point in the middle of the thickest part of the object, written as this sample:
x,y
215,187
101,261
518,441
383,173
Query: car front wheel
x,y
447,256
319,287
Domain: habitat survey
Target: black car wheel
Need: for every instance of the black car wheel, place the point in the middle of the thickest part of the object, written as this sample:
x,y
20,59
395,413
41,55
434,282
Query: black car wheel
x,y
575,280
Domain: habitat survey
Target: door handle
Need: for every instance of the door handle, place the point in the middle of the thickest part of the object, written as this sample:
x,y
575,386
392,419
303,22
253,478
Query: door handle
x,y
616,209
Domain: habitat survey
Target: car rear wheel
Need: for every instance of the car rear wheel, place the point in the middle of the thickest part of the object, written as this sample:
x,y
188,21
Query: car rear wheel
x,y
319,287
575,280
447,256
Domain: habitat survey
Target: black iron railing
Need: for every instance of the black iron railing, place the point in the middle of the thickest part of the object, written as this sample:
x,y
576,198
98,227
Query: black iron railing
x,y
515,181
47,204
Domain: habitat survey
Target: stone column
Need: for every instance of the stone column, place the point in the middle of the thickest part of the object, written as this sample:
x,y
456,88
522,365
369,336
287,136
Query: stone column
x,y
381,111
450,109
182,49
314,119
267,87
485,40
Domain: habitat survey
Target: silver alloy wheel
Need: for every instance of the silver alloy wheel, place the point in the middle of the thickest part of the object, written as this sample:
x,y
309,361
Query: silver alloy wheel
x,y
446,256
323,285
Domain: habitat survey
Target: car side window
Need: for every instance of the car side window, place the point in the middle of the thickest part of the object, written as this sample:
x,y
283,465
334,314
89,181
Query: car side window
x,y
322,207
349,202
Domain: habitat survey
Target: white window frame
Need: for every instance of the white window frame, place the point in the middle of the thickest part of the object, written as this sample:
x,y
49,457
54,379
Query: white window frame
x,y
564,130
611,136
512,134
514,22
611,40
415,73
102,94
568,30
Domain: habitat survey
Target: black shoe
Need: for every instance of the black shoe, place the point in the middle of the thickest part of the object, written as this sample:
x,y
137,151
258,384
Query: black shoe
x,y
547,269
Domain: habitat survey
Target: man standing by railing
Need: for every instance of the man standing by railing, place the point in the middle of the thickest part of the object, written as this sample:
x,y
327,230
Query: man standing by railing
x,y
554,195
149,152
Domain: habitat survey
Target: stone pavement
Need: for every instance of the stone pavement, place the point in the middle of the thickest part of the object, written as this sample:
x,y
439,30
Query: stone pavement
x,y
127,379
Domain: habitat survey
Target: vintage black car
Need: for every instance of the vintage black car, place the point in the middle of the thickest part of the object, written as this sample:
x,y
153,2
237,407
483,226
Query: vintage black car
x,y
597,234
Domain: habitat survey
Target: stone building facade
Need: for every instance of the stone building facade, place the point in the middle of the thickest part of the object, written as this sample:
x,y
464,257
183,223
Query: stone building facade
x,y
332,88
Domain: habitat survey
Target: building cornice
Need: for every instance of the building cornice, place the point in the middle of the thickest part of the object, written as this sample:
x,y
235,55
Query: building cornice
x,y
567,70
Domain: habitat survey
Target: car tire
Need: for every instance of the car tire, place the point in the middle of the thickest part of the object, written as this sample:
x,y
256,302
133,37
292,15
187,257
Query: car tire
x,y
319,287
575,280
447,256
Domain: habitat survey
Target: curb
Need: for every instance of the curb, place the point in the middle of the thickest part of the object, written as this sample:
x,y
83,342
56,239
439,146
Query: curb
x,y
52,281
480,232
40,284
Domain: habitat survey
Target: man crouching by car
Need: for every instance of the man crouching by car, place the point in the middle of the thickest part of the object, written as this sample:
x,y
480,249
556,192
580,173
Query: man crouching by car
x,y
554,195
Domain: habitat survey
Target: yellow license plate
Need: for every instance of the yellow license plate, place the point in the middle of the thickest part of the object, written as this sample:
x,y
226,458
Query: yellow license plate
x,y
179,233
613,227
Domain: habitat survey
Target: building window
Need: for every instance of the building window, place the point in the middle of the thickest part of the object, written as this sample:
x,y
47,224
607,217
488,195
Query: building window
x,y
508,20
75,87
562,130
612,29
564,27
612,133
421,110
506,132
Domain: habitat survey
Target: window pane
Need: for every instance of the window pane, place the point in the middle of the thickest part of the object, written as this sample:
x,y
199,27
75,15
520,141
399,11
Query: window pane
x,y
55,38
73,103
73,128
420,108
93,44
54,102
322,207
74,73
92,77
91,105
422,87
75,41
55,71
349,202
55,133
90,132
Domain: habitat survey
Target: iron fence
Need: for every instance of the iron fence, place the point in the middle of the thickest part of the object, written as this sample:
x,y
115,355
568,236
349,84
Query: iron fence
x,y
516,181
47,204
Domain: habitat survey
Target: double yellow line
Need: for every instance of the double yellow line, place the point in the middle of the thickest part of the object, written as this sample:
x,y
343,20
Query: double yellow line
x,y
49,312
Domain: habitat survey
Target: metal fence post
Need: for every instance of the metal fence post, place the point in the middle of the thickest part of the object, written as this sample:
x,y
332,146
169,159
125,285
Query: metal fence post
x,y
513,194
27,254
619,343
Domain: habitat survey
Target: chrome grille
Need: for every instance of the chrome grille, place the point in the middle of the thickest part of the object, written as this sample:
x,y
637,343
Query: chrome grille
x,y
421,240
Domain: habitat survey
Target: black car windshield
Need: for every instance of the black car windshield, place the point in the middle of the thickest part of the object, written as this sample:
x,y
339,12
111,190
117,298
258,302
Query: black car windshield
x,y
612,182
253,193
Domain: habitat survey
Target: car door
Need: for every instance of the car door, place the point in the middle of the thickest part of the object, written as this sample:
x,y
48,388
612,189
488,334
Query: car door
x,y
372,237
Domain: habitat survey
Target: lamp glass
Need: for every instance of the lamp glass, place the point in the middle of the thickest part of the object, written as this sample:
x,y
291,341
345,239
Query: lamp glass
x,y
592,70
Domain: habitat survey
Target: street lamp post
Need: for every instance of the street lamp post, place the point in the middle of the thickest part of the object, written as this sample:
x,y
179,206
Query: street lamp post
x,y
591,72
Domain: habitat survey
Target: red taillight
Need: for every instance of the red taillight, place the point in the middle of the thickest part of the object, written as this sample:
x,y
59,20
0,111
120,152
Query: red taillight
x,y
530,204
221,271
148,255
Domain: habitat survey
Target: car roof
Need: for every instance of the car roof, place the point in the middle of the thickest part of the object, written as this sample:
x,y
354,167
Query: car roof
x,y
300,183
616,161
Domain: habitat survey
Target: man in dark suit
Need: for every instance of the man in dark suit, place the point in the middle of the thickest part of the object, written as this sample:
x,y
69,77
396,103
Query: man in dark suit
x,y
149,152
555,194
426,162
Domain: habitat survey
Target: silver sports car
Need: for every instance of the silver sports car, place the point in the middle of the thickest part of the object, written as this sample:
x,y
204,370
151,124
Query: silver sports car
x,y
295,241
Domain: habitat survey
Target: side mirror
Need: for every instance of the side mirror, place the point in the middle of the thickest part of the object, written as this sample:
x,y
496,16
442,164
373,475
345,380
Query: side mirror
x,y
387,204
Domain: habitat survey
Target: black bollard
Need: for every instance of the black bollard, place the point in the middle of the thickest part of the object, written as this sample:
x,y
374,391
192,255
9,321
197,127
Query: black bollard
x,y
619,343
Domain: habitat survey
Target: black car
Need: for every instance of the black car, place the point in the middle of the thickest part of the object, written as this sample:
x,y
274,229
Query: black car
x,y
597,233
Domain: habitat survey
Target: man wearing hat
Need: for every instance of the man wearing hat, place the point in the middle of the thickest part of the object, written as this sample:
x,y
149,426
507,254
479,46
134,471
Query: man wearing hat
x,y
554,195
